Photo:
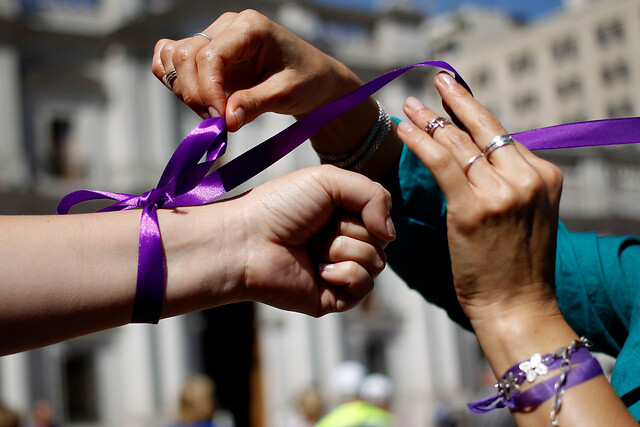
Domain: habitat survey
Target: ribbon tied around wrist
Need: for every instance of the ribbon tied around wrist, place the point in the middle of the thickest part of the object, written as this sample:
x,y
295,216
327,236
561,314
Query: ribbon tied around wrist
x,y
186,181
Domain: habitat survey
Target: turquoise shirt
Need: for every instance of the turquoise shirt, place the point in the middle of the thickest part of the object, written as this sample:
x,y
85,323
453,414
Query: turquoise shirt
x,y
597,278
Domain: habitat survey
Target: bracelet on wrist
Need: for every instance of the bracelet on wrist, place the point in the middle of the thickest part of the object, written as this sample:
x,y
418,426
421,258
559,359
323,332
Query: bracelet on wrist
x,y
576,366
354,160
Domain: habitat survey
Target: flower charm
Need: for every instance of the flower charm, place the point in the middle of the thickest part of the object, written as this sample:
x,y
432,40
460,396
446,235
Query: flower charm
x,y
507,386
533,367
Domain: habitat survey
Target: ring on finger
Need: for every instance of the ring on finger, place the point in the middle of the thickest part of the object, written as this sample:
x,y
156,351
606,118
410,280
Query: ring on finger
x,y
498,141
169,78
470,162
438,122
206,36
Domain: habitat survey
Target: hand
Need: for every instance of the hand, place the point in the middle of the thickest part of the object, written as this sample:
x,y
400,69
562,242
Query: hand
x,y
314,239
502,213
263,67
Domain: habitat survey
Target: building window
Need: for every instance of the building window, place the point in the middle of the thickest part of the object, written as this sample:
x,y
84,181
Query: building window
x,y
522,63
448,47
40,5
564,48
480,78
611,32
570,87
59,136
80,388
525,102
623,108
616,72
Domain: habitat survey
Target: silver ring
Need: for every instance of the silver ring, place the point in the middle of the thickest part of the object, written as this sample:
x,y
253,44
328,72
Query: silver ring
x,y
438,122
206,36
470,162
498,141
169,78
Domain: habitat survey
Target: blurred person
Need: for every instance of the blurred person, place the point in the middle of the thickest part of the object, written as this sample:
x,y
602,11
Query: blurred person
x,y
478,237
352,411
377,389
43,414
9,417
309,407
197,403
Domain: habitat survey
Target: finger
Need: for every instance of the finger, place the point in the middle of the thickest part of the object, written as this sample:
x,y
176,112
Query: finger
x,y
347,284
346,224
482,125
212,98
459,144
343,248
241,40
157,66
165,53
360,195
445,169
184,60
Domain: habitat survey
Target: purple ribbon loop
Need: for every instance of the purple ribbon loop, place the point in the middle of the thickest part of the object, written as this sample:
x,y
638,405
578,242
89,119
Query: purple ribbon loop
x,y
186,182
588,368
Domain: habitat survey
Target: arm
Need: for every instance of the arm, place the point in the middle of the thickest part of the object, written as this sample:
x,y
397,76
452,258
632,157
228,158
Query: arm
x,y
266,68
310,241
501,228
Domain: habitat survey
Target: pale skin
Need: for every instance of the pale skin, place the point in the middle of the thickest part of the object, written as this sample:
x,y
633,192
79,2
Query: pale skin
x,y
311,241
505,210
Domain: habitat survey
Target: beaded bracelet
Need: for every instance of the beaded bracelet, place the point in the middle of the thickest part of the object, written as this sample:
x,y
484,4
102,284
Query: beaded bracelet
x,y
355,159
576,365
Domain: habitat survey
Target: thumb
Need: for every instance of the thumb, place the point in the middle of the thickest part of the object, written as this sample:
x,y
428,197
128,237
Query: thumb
x,y
245,105
357,193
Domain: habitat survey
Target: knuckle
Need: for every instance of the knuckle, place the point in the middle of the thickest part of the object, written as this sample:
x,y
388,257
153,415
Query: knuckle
x,y
486,120
337,248
250,15
439,160
352,270
182,53
505,199
227,15
205,56
458,140
190,96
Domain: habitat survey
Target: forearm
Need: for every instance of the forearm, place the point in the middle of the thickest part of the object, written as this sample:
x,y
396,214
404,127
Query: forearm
x,y
65,276
514,336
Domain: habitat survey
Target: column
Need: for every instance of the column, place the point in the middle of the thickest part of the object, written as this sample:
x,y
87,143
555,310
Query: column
x,y
13,165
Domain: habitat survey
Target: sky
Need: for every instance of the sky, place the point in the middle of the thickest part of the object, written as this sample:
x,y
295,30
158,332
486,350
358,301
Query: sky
x,y
529,9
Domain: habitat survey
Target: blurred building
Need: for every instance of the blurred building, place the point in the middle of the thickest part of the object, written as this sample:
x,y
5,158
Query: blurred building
x,y
81,109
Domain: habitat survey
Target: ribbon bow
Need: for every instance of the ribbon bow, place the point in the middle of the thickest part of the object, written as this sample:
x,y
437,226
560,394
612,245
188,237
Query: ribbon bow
x,y
181,175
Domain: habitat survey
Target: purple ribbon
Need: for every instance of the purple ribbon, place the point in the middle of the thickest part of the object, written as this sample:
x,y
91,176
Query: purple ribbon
x,y
185,182
588,368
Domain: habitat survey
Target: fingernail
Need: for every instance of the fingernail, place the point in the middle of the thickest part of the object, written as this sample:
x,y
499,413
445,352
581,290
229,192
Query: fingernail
x,y
405,127
213,112
391,229
414,103
204,115
326,267
447,79
239,113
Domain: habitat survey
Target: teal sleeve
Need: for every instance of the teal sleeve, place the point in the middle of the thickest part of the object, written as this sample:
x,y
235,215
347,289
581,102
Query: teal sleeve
x,y
597,278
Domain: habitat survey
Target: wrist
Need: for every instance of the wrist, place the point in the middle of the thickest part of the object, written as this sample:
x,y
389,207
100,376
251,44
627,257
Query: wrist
x,y
514,335
204,268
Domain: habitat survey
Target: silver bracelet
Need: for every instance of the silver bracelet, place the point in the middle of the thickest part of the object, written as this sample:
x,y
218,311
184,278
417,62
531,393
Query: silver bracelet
x,y
355,160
